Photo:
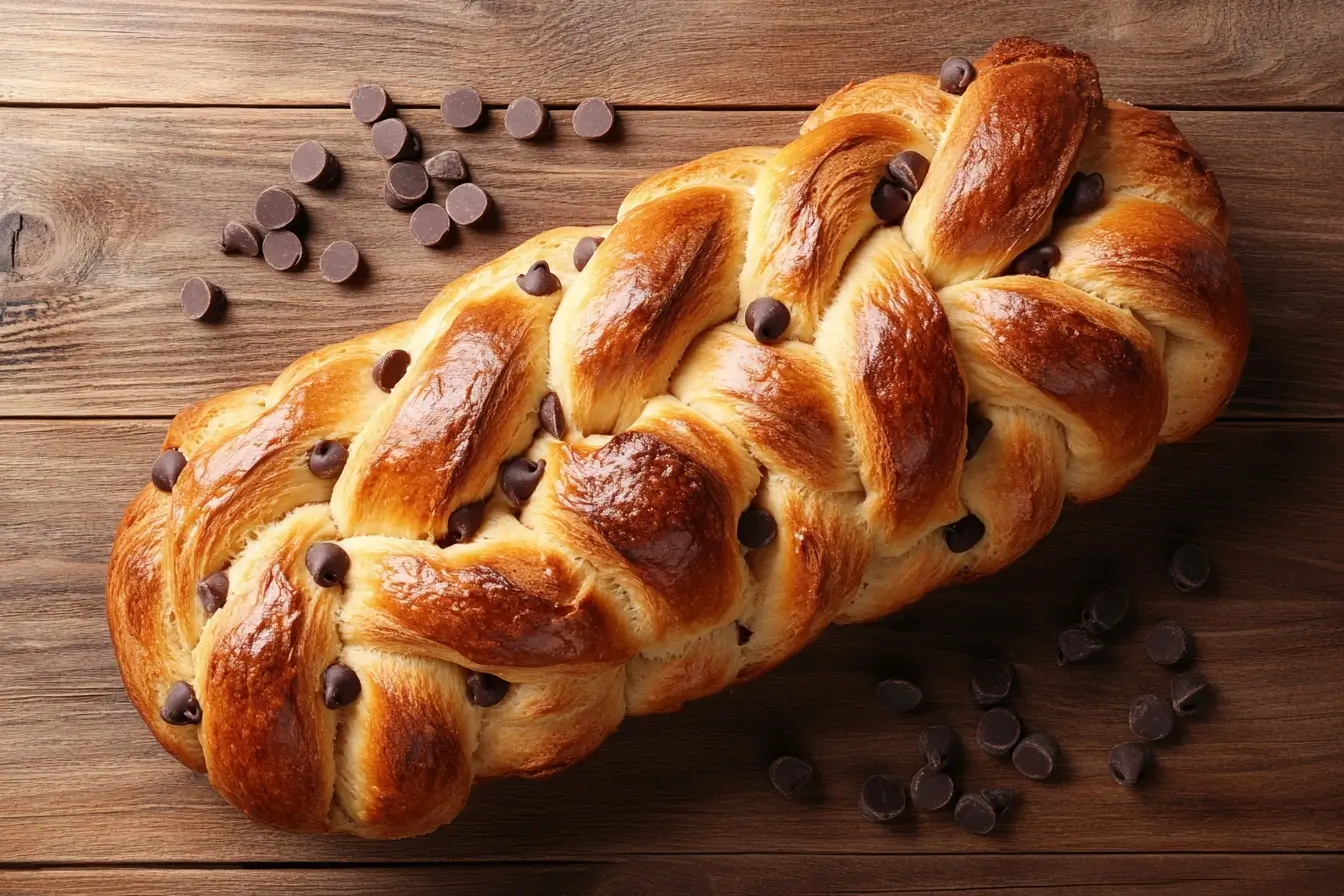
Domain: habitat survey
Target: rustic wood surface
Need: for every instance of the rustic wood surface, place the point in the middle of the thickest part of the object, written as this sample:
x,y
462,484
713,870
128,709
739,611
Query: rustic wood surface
x,y
118,163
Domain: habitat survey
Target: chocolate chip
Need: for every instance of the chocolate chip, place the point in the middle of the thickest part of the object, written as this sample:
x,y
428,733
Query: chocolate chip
x,y
213,591
1106,608
552,416
999,731
1127,762
1082,195
956,75
431,225
1077,645
340,262
975,814
899,695
1168,643
463,523
908,171
939,746
1189,568
283,250
519,478
790,775
1002,799
240,238
180,706
484,689
882,799
538,281
167,467
1035,756
328,563
277,209
583,251
1189,693
202,300
447,165
594,118
525,118
369,103
406,186
991,682
931,790
743,634
390,368
394,141
311,164
767,319
327,459
1151,717
977,430
1036,261
964,534
468,204
756,528
890,202
340,686
462,107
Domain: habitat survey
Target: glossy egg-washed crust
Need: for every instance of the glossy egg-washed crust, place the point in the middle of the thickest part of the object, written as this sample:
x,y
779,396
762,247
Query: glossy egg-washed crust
x,y
620,586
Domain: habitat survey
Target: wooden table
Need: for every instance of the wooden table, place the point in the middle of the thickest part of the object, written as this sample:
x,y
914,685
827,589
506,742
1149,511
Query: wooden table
x,y
131,129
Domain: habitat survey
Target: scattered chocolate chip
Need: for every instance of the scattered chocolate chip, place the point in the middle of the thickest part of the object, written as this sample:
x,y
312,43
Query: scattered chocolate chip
x,y
1189,693
1035,756
394,141
390,368
890,202
964,534
1127,762
1077,645
202,300
484,689
956,75
340,686
283,250
552,416
340,262
462,107
790,775
407,186
463,523
1036,261
756,528
1189,568
931,790
908,171
1082,195
1106,608
594,118
882,799
519,478
999,731
767,319
311,164
899,695
538,281
975,814
240,238
180,706
743,634
212,591
1168,643
468,204
991,682
327,459
525,118
1151,717
277,209
977,430
447,165
939,746
583,251
370,103
431,225
327,562
167,467
1001,798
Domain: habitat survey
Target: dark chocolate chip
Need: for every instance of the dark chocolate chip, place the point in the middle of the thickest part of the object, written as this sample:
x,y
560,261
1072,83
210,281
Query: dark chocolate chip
x,y
525,118
538,281
431,225
240,238
743,634
447,165
1035,756
1002,799
991,682
767,319
583,251
283,250
311,164
977,430
790,775
956,75
167,467
407,186
939,746
180,706
1189,693
594,118
202,300
327,459
908,170
370,103
931,790
756,528
340,686
975,814
1168,643
999,731
463,523
390,368
468,204
1106,608
890,202
964,534
212,591
1127,762
552,416
328,563
519,478
1151,717
882,799
1189,568
1036,261
1082,195
277,209
340,262
462,108
899,695
484,689
1077,645
394,141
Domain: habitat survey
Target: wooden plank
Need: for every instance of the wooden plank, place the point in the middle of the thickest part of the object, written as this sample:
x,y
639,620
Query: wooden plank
x,y
806,875
741,53
83,781
120,206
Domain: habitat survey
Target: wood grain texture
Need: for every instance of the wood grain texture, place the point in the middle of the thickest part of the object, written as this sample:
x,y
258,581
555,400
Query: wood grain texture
x,y
117,207
738,53
83,781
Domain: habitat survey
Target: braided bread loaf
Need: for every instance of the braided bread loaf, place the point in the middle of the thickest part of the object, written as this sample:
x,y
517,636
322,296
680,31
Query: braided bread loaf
x,y
790,386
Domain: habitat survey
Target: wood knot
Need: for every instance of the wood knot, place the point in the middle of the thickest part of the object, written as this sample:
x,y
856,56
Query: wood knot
x,y
26,243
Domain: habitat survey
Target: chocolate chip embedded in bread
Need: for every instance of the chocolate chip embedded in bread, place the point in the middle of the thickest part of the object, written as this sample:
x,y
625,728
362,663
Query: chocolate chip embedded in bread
x,y
977,430
890,202
463,523
539,280
167,467
277,209
525,118
370,103
328,563
180,707
594,118
955,75
743,634
964,534
390,368
468,204
340,262
313,165
931,790
998,731
899,695
462,107
1082,195
202,300
756,528
908,170
1168,643
1151,717
1189,693
240,238
1077,645
975,814
283,250
939,746
583,251
431,225
552,415
519,478
882,799
484,689
1189,568
327,459
394,141
767,319
340,686
790,775
1106,608
406,186
1127,762
447,165
991,682
1035,756
1036,261
212,591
